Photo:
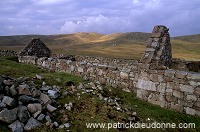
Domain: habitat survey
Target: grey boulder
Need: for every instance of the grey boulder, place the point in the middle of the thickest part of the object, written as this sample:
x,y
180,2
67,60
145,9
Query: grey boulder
x,y
23,113
9,101
53,94
8,116
31,124
17,126
26,99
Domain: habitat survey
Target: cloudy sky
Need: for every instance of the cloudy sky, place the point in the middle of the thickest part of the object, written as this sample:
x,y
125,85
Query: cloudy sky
x,y
103,16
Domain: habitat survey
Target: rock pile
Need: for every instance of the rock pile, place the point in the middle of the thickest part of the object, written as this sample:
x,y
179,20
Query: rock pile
x,y
23,106
26,106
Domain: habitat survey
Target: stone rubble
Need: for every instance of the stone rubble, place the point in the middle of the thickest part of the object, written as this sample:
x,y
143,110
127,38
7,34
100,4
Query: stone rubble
x,y
26,111
21,106
96,89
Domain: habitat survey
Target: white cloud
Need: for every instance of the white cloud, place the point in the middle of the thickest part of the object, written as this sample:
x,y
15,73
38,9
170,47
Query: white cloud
x,y
100,23
50,1
135,1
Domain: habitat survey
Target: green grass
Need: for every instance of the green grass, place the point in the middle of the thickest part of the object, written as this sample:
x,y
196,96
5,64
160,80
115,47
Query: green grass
x,y
89,109
10,67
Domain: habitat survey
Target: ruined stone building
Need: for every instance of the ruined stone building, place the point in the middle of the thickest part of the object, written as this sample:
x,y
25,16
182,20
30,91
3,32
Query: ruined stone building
x,y
35,48
157,78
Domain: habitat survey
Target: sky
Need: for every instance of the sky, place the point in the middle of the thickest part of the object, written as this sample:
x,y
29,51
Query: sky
x,y
22,17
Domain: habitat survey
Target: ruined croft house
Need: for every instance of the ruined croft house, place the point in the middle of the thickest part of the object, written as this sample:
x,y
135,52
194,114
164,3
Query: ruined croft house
x,y
35,48
157,78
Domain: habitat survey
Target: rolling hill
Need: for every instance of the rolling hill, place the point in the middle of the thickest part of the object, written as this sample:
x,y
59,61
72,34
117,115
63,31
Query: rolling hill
x,y
77,38
118,45
189,38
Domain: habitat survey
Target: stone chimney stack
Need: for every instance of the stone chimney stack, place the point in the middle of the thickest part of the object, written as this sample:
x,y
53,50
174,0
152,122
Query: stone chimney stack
x,y
158,52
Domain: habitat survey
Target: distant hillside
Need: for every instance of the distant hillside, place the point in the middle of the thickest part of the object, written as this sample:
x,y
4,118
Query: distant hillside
x,y
88,37
189,38
77,38
133,37
21,40
118,45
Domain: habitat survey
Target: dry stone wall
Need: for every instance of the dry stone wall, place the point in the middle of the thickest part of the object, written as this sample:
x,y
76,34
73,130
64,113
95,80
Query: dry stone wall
x,y
173,89
114,72
8,53
156,78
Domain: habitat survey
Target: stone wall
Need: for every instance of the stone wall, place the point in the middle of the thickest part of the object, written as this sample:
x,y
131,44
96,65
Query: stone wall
x,y
114,72
8,53
185,65
173,89
158,83
157,78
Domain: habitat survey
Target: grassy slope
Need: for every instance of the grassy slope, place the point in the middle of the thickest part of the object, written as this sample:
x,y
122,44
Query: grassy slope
x,y
189,38
93,107
185,50
119,45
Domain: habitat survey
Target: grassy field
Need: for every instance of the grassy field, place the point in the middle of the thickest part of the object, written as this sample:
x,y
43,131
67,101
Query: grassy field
x,y
89,108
